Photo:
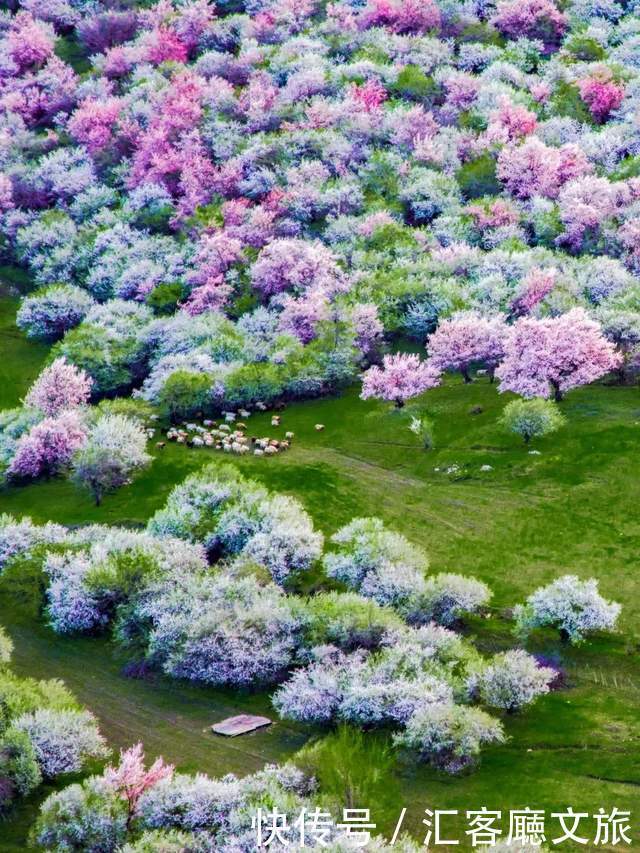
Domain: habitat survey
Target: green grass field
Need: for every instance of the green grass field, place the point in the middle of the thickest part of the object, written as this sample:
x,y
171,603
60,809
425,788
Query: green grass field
x,y
573,508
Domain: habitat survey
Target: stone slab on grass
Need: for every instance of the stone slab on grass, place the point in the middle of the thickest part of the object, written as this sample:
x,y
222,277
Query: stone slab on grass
x,y
240,725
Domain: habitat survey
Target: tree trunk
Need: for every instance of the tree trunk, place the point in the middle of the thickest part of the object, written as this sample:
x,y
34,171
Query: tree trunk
x,y
465,375
399,403
557,393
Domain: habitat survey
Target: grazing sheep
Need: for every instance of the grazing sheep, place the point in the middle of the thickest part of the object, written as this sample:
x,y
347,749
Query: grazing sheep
x,y
284,445
270,450
224,428
258,452
208,423
319,427
181,439
289,435
196,441
275,422
261,406
151,433
160,444
244,413
229,417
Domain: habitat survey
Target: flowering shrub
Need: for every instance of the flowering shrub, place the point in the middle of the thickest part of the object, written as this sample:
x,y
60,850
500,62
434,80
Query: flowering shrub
x,y
52,312
512,680
447,598
535,19
573,606
450,736
113,453
378,563
48,446
234,516
63,740
220,630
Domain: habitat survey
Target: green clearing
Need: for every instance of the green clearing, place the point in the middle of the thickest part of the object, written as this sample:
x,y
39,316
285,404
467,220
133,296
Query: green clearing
x,y
573,508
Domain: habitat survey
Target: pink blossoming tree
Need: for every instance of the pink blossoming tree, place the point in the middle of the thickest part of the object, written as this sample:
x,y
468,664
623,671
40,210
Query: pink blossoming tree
x,y
401,377
535,286
130,779
534,168
60,386
535,19
549,357
48,446
465,339
601,93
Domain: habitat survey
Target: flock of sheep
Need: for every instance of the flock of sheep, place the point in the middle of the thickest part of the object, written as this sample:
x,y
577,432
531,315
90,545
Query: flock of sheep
x,y
230,436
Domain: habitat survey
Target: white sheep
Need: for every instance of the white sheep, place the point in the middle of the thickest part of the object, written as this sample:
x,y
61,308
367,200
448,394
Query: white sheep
x,y
197,441
270,450
289,435
258,452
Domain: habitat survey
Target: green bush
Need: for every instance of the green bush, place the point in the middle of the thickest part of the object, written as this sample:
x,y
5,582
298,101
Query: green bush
x,y
164,298
414,84
253,382
477,178
532,418
19,770
566,101
584,48
185,393
346,620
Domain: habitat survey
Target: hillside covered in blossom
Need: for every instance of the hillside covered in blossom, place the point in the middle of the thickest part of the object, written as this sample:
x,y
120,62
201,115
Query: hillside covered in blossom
x,y
320,323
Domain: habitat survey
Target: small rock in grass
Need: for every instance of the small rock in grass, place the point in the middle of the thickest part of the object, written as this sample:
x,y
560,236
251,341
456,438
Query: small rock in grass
x,y
240,725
